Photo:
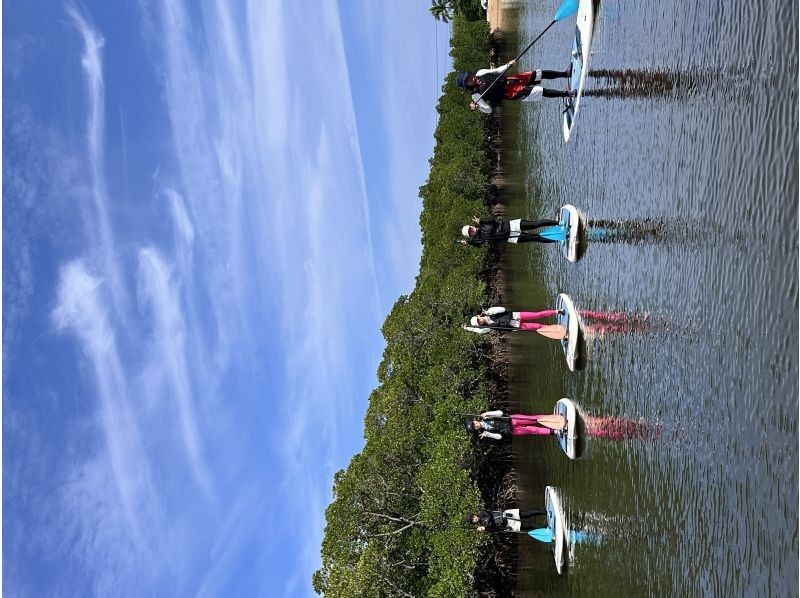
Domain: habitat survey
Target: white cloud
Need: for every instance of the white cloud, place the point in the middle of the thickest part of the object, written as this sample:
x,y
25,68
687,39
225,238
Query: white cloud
x,y
180,217
82,309
92,63
272,248
168,353
387,26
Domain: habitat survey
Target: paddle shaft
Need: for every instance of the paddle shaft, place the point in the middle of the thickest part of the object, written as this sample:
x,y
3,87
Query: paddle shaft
x,y
478,416
545,331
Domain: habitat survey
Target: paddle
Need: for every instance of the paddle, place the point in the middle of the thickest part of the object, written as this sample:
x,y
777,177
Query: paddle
x,y
555,331
567,8
575,537
479,416
543,534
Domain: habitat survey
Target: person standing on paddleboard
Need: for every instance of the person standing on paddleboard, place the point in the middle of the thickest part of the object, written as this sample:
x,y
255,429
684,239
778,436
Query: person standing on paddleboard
x,y
513,231
494,424
523,87
499,318
508,520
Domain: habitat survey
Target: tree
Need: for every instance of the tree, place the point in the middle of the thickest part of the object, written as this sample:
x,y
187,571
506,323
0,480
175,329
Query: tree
x,y
441,10
395,526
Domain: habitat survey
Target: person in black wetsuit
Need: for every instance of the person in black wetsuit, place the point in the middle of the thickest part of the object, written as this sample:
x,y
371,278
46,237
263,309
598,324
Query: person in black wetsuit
x,y
508,520
513,231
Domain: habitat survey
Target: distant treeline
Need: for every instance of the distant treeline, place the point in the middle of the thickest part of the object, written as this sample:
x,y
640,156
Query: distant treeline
x,y
396,525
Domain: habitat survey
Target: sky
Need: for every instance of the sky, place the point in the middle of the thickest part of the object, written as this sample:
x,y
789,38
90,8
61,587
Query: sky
x,y
208,210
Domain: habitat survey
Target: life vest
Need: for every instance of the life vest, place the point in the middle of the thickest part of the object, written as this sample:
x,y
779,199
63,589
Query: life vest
x,y
501,320
492,229
492,519
498,91
500,426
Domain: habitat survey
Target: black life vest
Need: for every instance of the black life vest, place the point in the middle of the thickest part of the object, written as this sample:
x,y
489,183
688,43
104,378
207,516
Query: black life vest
x,y
491,230
495,424
492,519
498,91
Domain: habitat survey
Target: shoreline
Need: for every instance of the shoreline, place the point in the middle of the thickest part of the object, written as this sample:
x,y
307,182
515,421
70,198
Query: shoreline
x,y
494,14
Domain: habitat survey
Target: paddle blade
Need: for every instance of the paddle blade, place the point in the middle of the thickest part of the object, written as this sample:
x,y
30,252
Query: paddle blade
x,y
556,331
554,233
543,535
567,8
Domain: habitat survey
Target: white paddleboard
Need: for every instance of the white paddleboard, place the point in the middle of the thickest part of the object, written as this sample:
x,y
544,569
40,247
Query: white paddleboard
x,y
581,53
555,521
570,217
570,320
567,437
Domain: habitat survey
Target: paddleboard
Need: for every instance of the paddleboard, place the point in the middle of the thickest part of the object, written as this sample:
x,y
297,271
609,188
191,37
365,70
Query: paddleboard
x,y
571,321
567,437
555,521
581,53
571,218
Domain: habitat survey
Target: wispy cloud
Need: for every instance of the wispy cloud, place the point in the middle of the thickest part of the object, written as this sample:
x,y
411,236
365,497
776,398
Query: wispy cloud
x,y
92,63
168,352
183,225
385,25
81,309
245,369
288,170
329,276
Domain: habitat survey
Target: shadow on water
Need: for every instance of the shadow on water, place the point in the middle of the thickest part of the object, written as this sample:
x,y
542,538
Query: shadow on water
x,y
734,83
582,353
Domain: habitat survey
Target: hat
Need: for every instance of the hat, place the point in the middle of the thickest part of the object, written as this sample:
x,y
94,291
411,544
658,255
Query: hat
x,y
473,321
469,518
461,80
468,424
465,230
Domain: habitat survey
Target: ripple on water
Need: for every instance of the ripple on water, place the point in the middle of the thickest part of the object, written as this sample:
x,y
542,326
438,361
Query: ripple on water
x,y
691,119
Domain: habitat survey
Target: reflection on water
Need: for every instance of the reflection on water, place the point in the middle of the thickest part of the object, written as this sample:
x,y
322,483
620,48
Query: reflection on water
x,y
680,84
620,428
618,322
646,230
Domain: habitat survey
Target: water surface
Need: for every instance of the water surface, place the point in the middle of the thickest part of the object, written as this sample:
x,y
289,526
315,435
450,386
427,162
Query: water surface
x,y
690,121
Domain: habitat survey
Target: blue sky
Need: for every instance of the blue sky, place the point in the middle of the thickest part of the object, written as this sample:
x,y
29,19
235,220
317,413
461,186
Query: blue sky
x,y
209,208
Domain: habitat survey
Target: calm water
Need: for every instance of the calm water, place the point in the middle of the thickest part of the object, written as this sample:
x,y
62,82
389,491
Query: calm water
x,y
691,123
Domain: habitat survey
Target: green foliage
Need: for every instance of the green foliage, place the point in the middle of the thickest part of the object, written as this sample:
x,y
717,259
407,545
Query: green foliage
x,y
395,526
445,10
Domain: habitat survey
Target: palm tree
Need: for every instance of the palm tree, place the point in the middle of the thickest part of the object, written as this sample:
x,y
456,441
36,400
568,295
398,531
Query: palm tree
x,y
441,10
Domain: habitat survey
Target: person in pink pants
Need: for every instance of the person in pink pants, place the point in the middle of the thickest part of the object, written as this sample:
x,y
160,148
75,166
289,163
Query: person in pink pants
x,y
499,318
494,424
